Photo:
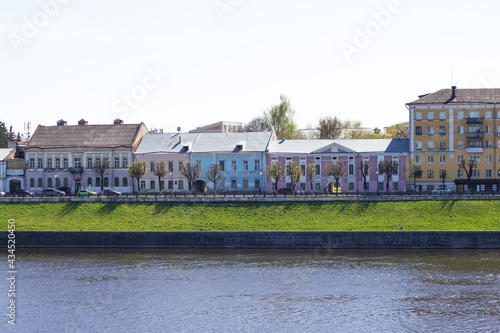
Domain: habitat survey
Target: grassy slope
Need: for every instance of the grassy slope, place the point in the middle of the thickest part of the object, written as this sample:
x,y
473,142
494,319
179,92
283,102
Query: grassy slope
x,y
317,216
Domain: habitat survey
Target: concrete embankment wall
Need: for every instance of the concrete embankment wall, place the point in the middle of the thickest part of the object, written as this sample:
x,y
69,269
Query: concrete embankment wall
x,y
258,239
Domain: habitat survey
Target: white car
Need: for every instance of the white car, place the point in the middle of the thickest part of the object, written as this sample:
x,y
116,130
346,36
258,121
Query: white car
x,y
441,190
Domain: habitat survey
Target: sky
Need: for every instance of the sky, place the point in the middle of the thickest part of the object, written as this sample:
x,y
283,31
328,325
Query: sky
x,y
173,63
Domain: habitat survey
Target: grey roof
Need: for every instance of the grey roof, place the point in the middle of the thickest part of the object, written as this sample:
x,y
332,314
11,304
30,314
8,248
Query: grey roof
x,y
356,145
462,96
203,142
122,135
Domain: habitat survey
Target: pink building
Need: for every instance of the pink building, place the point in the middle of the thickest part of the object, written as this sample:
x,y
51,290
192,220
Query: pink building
x,y
352,152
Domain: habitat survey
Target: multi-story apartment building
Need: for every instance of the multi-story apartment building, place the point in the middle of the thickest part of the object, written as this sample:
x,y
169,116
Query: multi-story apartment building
x,y
63,156
452,125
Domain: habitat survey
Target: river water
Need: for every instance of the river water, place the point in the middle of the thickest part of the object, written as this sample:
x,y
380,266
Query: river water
x,y
136,290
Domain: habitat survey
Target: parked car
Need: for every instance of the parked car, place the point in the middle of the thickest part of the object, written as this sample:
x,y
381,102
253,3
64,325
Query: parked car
x,y
85,193
65,189
52,192
111,193
285,190
441,190
2,194
23,193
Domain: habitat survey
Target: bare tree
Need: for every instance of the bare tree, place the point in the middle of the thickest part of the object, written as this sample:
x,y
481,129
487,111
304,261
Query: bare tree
x,y
276,171
214,174
294,172
329,128
389,168
191,172
415,172
443,174
364,167
100,168
336,170
160,170
311,172
468,167
137,170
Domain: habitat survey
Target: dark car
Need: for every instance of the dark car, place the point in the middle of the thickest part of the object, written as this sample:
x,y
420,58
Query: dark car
x,y
23,193
111,193
285,190
52,192
65,189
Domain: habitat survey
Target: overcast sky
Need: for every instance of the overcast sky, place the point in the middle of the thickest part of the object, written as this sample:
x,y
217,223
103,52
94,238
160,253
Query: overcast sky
x,y
185,63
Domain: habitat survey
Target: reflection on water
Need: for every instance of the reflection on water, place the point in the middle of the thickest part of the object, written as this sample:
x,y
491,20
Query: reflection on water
x,y
103,290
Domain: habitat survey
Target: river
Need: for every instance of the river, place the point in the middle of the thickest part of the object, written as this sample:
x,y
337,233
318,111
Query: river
x,y
187,290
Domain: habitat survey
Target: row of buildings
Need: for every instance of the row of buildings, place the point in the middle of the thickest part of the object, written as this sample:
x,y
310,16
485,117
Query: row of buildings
x,y
445,127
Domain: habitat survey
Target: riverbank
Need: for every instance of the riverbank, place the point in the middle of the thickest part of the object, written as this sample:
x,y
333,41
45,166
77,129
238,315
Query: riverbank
x,y
457,215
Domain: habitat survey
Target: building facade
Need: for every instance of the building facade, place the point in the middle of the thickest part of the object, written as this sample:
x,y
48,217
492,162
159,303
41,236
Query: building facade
x,y
454,125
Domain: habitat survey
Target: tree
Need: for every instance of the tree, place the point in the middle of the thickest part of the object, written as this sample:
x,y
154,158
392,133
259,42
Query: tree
x,y
364,167
311,172
136,170
191,172
329,128
443,174
389,168
336,170
100,168
294,171
258,124
468,167
4,136
214,174
398,131
280,118
160,170
415,172
276,171
352,130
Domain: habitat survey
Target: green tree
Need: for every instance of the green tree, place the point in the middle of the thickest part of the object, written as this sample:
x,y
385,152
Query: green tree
x,y
389,168
329,128
137,170
191,172
214,174
311,172
160,170
294,171
280,118
276,171
336,170
258,124
398,131
4,136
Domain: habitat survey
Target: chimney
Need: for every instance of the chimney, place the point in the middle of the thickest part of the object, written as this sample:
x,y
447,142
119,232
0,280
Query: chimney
x,y
117,121
453,92
61,122
82,122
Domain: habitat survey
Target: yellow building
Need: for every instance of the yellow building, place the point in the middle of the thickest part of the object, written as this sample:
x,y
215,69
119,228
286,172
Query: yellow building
x,y
452,125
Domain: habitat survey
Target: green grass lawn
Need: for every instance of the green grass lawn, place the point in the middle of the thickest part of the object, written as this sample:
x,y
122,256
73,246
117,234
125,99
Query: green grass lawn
x,y
240,216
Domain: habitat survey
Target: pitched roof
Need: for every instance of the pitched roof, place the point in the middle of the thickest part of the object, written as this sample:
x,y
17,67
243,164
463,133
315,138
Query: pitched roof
x,y
203,142
6,153
105,136
355,145
462,96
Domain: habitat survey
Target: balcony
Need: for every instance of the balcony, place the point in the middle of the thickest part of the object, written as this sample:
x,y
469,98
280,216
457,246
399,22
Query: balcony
x,y
475,136
474,150
474,120
76,170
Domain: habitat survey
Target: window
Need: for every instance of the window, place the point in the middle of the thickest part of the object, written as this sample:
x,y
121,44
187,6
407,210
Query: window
x,y
488,143
170,184
488,158
89,182
58,182
430,159
430,173
152,166
474,114
65,163
89,162
117,181
221,165
125,182
460,144
180,165
32,182
430,187
430,115
233,184
39,163
198,165
77,162
430,144
442,159
49,182
170,166
257,165
98,182
488,129
162,185
488,174
66,182
245,165
40,182
318,169
49,163
366,186
152,184
442,129
32,163
418,130
442,144
418,159
442,173
487,115
380,186
418,115
418,144
395,186
460,130
351,186
317,186
245,184
143,184
106,182
58,163
460,173
351,169
460,158
181,184
124,162
257,183
476,158
498,128
117,162
476,173
430,129
442,115
303,169
460,115
233,165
